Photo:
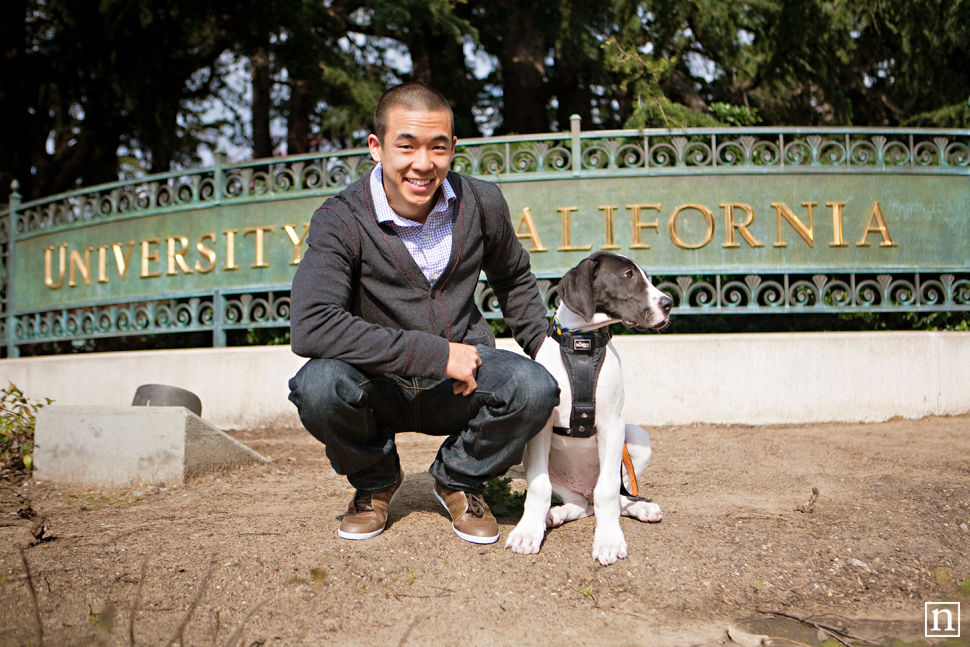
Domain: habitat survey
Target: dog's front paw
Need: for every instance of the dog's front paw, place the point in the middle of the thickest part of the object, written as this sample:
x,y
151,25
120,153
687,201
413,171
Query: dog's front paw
x,y
608,546
526,538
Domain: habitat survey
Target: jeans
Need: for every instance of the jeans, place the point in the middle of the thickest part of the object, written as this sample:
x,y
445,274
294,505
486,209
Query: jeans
x,y
356,415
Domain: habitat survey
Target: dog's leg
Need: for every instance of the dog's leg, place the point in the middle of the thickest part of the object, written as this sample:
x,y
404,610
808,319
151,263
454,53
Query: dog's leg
x,y
574,506
527,536
609,543
638,444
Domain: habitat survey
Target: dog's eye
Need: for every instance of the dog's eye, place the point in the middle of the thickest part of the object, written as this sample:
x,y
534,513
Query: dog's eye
x,y
628,274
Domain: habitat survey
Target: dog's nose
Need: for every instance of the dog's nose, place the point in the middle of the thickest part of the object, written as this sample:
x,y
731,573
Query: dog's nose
x,y
666,303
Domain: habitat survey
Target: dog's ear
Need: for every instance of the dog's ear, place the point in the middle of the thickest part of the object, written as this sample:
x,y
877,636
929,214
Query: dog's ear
x,y
576,289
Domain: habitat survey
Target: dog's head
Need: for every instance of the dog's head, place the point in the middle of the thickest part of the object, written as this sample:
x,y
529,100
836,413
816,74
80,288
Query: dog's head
x,y
617,287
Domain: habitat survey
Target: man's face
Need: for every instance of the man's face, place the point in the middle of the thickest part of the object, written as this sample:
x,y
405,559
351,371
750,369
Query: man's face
x,y
415,156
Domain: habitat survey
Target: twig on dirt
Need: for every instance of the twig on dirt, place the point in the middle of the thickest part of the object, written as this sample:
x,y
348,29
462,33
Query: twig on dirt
x,y
838,634
631,614
237,634
261,533
216,624
137,602
407,633
809,507
195,603
425,597
33,596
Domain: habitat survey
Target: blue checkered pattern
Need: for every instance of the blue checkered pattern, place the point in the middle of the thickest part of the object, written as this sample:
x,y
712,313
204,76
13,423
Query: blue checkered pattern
x,y
430,243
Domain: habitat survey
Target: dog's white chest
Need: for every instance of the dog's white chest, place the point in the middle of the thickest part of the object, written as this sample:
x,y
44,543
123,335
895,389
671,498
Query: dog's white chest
x,y
574,463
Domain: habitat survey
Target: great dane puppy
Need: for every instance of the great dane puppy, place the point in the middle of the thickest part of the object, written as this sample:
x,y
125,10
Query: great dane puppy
x,y
586,473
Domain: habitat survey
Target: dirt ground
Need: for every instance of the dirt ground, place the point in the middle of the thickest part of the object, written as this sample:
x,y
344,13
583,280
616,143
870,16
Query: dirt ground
x,y
251,557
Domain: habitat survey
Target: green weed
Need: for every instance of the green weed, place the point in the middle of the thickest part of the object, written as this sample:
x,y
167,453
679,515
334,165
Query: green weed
x,y
502,500
17,422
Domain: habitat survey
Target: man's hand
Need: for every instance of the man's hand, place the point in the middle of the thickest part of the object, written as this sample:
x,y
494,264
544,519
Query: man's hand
x,y
463,362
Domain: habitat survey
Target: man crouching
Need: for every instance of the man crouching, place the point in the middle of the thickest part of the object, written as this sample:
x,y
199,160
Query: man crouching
x,y
383,305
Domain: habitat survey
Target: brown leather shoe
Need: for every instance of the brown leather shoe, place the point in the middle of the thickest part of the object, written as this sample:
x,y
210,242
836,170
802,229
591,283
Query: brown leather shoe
x,y
367,514
470,516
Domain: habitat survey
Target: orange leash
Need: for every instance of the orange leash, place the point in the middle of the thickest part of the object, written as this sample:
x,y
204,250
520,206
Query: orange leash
x,y
629,470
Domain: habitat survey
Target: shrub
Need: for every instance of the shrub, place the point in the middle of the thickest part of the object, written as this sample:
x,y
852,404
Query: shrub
x,y
17,421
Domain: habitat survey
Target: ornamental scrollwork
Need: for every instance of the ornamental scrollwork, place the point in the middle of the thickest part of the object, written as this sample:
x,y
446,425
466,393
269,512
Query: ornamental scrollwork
x,y
704,294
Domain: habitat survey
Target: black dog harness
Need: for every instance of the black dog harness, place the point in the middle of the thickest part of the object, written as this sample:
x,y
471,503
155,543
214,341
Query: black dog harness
x,y
582,355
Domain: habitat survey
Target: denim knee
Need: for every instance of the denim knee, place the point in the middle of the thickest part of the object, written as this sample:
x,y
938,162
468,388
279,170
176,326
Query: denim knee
x,y
532,390
323,386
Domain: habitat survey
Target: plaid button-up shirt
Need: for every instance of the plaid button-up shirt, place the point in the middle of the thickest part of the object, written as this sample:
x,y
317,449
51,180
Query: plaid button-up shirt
x,y
430,243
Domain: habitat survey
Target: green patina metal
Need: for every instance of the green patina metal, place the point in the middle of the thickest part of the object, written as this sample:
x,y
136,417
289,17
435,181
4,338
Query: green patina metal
x,y
727,220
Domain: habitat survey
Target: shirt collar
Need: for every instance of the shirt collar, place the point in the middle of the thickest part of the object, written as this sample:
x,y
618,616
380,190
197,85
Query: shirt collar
x,y
383,208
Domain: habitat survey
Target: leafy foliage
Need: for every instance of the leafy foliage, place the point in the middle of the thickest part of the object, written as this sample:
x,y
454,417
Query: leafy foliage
x,y
502,500
94,91
735,115
17,422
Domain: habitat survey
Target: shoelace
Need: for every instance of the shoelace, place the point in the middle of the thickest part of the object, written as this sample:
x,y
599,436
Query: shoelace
x,y
476,505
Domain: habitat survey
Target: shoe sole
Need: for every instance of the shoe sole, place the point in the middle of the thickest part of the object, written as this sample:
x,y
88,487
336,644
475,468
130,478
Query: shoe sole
x,y
357,536
470,538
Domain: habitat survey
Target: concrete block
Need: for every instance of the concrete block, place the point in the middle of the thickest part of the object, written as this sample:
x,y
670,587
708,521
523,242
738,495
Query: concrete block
x,y
118,446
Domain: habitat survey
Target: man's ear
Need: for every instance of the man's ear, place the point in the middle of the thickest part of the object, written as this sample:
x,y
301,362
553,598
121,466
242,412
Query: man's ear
x,y
576,289
374,144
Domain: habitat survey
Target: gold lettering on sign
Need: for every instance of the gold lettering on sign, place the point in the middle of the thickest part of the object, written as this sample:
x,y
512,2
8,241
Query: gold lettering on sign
x,y
103,263
206,252
48,261
177,257
672,226
637,243
881,228
793,220
296,240
567,236
83,267
608,217
123,261
230,250
259,243
837,224
742,227
530,231
148,255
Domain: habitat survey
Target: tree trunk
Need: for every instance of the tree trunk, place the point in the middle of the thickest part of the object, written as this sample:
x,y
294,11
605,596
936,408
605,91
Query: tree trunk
x,y
298,123
524,94
262,143
571,83
16,123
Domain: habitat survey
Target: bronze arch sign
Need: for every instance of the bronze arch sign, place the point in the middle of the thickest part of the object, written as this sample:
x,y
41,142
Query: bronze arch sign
x,y
741,220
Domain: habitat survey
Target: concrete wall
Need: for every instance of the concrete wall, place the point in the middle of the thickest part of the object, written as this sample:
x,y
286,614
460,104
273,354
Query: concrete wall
x,y
670,379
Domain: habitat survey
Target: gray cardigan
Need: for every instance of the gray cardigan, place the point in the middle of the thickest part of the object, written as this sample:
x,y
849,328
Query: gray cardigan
x,y
358,296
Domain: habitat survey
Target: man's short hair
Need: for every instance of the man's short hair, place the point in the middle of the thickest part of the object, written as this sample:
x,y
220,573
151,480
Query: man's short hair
x,y
410,96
